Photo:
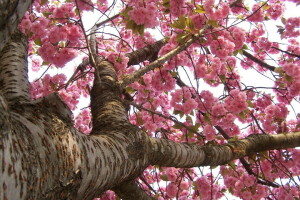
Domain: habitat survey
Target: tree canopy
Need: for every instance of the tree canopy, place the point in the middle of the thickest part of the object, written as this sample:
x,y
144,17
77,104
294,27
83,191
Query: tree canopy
x,y
203,95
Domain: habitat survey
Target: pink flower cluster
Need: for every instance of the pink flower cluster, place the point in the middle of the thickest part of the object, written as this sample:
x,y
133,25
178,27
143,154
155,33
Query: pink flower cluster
x,y
144,14
293,70
215,14
209,132
118,59
48,85
236,102
276,10
274,114
207,189
222,47
162,80
177,8
83,121
257,14
182,100
242,184
64,11
290,27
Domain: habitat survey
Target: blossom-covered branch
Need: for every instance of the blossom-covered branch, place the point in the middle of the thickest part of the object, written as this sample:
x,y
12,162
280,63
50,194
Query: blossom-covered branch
x,y
258,61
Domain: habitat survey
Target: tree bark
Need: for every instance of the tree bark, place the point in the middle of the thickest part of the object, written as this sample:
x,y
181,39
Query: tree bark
x,y
171,154
11,12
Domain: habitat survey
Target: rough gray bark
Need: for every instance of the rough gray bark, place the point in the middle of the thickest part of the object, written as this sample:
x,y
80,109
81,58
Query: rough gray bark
x,y
11,12
42,156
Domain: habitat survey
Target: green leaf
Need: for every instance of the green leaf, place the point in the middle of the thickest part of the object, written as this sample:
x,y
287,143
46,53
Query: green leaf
x,y
231,164
130,24
139,120
195,127
76,12
189,118
190,134
214,23
43,2
180,23
242,115
207,118
177,126
199,9
288,78
190,24
164,177
278,70
233,139
250,103
129,90
166,4
125,12
245,47
182,38
46,14
174,74
45,63
235,52
222,78
38,41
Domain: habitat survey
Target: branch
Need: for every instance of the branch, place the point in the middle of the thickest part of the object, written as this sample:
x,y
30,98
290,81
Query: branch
x,y
11,12
108,111
130,190
107,20
246,164
235,3
149,52
157,63
13,69
288,53
171,154
258,61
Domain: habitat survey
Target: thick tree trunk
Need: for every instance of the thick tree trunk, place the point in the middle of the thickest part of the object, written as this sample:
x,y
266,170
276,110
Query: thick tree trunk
x,y
42,156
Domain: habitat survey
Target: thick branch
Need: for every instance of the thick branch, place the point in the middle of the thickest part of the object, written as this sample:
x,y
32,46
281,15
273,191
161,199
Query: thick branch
x,y
108,112
258,61
44,157
11,11
130,190
171,154
13,69
149,52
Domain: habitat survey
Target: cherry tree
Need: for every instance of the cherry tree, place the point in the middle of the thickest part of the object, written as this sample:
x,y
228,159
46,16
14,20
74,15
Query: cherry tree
x,y
170,115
